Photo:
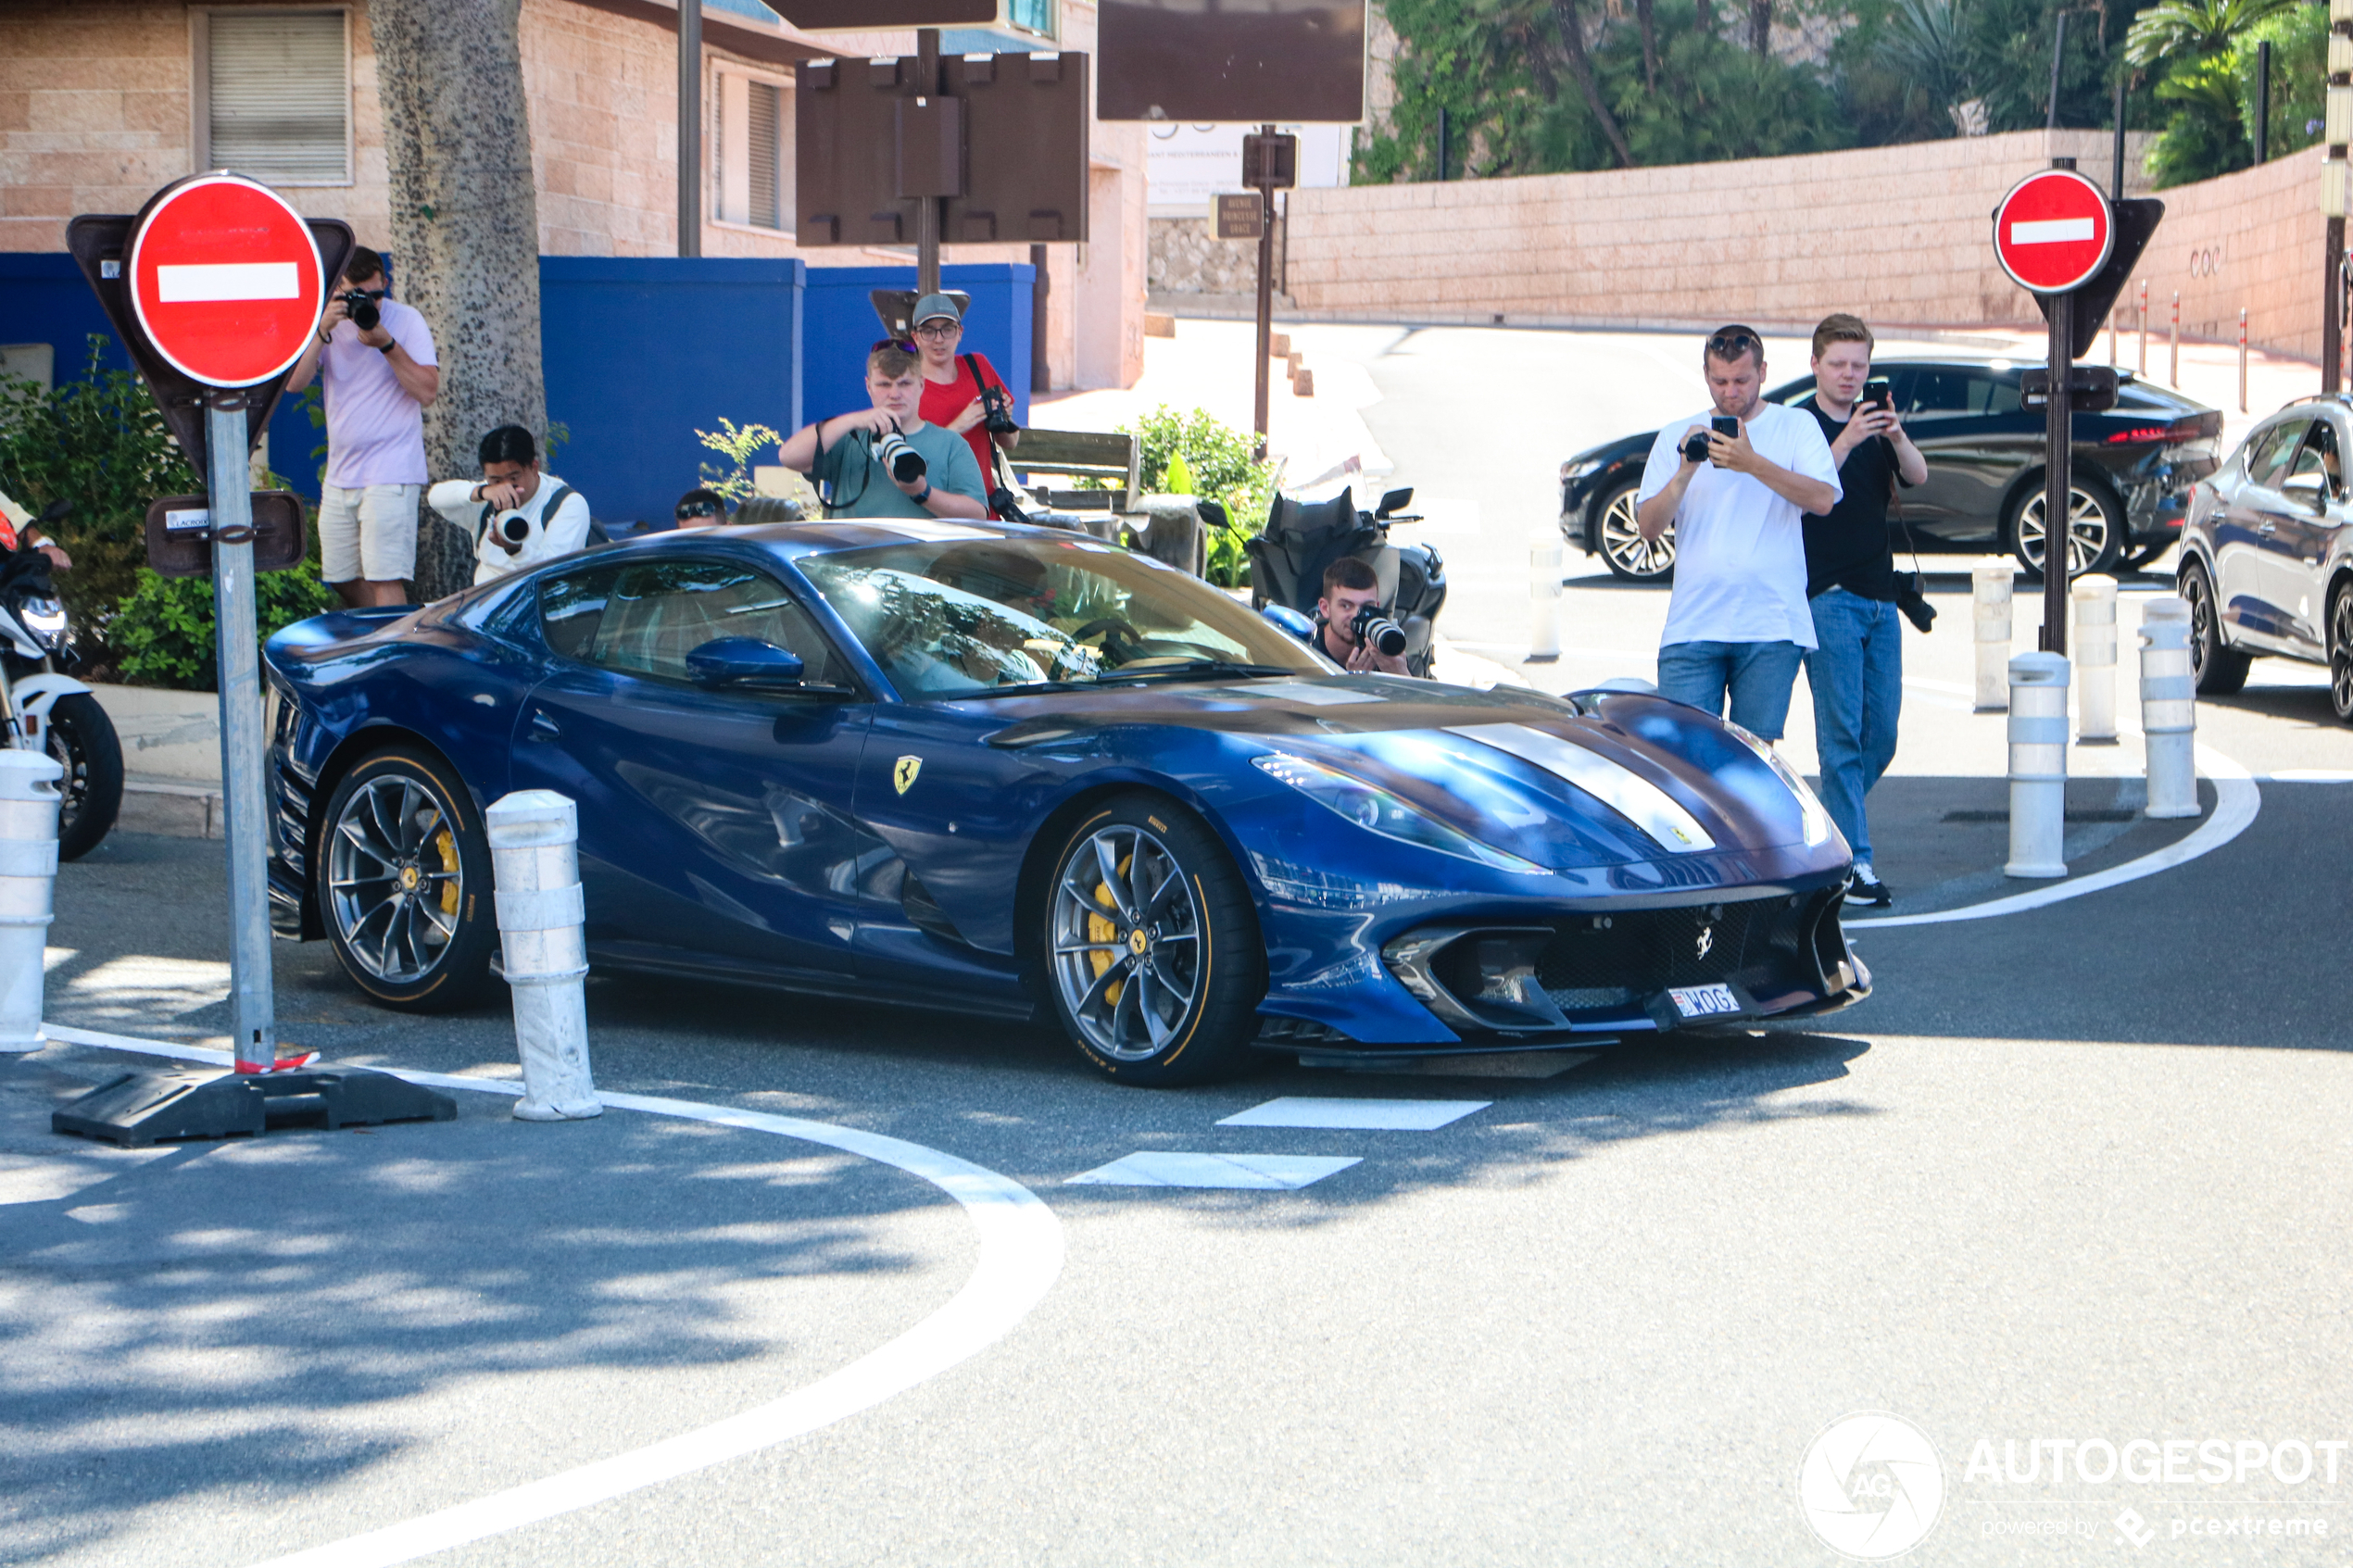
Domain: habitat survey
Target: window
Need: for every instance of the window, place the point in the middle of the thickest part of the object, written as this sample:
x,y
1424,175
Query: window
x,y
2316,461
1032,17
658,613
275,95
2269,451
1949,393
755,157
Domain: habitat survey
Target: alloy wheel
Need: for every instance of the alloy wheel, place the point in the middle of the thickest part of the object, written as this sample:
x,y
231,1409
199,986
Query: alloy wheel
x,y
1623,545
394,879
1126,941
2341,654
2088,532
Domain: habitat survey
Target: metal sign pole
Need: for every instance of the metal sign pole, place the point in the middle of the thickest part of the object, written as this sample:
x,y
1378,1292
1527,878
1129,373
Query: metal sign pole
x,y
252,1001
1265,299
2058,457
927,210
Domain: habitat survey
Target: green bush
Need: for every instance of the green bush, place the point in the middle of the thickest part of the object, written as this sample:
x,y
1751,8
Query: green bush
x,y
1217,465
100,442
163,633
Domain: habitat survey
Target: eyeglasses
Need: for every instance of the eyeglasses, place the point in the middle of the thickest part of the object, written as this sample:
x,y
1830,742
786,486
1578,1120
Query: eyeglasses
x,y
939,328
1733,342
698,508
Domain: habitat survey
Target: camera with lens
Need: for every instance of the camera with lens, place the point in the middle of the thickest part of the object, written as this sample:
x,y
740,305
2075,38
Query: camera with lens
x,y
997,411
1913,602
906,464
515,528
1376,631
362,310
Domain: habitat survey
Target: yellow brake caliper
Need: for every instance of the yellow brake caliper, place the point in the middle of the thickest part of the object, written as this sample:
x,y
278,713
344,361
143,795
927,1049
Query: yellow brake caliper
x,y
448,848
1100,928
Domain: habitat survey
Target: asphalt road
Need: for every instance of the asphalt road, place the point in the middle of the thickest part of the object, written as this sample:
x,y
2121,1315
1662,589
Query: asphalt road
x,y
2071,1174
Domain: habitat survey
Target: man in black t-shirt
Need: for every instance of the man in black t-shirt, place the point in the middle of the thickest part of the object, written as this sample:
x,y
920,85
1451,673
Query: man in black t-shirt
x,y
1857,665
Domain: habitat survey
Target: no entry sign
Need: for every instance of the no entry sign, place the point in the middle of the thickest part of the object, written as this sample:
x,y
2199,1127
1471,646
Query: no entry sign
x,y
2052,233
226,281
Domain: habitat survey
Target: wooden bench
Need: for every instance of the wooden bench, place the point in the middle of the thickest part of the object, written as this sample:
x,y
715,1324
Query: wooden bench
x,y
1076,454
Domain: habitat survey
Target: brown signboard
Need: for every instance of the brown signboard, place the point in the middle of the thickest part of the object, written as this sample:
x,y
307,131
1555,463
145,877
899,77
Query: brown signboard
x,y
1292,61
180,533
1239,216
868,16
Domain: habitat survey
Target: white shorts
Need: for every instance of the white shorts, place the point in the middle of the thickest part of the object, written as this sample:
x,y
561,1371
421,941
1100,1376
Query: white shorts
x,y
370,533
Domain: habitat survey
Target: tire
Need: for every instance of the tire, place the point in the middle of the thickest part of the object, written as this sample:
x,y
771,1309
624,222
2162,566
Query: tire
x,y
1152,948
2218,667
2096,530
1630,557
81,738
2341,652
402,877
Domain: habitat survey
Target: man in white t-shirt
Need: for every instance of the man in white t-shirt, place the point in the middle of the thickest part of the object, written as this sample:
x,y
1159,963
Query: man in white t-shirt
x,y
518,516
1739,623
377,380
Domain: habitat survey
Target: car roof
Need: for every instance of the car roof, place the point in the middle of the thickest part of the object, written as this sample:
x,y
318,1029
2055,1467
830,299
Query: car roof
x,y
831,535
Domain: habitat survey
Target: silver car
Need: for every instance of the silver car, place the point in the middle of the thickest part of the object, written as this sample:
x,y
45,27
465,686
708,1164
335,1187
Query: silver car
x,y
2267,553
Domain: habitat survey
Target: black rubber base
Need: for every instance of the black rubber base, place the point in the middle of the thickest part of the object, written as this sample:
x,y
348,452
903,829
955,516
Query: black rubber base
x,y
139,1109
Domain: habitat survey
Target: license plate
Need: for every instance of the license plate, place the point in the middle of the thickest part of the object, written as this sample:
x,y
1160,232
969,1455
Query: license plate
x,y
1704,1002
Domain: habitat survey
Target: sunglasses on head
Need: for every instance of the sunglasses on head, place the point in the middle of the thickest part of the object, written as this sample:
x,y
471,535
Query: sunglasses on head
x,y
881,343
1733,342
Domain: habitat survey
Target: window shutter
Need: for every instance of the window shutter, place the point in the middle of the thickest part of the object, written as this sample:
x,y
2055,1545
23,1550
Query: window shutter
x,y
280,100
762,118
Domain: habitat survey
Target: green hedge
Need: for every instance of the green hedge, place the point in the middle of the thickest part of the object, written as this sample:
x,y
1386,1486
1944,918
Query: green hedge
x,y
163,633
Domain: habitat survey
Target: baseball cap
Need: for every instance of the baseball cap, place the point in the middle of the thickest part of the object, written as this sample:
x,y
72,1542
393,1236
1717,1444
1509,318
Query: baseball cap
x,y
936,305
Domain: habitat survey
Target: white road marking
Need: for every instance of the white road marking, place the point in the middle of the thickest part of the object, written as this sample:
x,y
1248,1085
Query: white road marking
x,y
2310,775
1265,1172
1372,1115
223,281
1021,1255
2052,232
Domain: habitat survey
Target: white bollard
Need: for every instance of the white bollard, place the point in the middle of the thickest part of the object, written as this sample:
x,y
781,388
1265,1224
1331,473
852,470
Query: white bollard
x,y
1990,595
536,865
2095,649
2038,766
2168,709
29,802
1544,593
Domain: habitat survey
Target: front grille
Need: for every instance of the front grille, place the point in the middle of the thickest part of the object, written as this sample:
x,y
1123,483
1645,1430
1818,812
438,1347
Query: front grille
x,y
1609,961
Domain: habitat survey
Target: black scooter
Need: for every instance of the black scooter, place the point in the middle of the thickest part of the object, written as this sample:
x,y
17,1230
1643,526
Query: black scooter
x,y
1287,563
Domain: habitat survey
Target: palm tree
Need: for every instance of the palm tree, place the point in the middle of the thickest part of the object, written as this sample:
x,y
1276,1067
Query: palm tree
x,y
2173,28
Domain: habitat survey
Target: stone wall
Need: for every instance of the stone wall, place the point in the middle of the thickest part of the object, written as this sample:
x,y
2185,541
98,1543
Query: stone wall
x,y
1901,234
1185,258
2251,239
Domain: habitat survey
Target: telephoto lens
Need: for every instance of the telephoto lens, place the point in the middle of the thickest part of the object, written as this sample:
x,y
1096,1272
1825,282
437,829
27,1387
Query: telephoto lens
x,y
515,529
906,464
1384,635
362,310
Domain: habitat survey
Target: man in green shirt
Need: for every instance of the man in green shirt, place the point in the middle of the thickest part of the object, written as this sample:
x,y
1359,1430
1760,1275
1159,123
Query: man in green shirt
x,y
842,452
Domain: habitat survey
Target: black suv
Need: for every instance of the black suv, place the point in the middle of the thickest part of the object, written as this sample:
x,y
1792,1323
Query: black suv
x,y
2134,466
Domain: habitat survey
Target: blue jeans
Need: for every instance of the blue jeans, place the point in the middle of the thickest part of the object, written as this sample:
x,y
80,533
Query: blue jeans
x,y
1857,676
1758,675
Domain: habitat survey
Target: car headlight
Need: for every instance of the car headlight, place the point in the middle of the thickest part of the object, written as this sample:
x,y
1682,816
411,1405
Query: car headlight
x,y
1377,810
1817,821
1573,470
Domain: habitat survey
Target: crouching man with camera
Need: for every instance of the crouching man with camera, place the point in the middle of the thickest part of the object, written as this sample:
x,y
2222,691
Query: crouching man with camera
x,y
374,359
518,515
886,461
1350,625
1857,665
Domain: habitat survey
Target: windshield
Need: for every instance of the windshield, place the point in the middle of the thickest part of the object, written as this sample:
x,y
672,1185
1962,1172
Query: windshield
x,y
962,616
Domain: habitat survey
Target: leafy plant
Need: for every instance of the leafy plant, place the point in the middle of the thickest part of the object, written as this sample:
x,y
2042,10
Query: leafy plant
x,y
100,442
739,446
1215,461
164,633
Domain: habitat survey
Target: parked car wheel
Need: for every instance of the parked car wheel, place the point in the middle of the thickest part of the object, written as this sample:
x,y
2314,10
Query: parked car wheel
x,y
2218,667
2341,652
83,740
404,888
2094,530
1152,950
1629,556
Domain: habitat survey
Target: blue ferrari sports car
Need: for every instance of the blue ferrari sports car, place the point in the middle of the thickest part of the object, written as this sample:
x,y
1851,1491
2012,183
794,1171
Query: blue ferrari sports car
x,y
1013,771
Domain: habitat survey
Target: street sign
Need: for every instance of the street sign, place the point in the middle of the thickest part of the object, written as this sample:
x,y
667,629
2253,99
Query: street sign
x,y
1292,61
2136,220
1270,160
2053,232
226,279
1241,217
180,533
2091,389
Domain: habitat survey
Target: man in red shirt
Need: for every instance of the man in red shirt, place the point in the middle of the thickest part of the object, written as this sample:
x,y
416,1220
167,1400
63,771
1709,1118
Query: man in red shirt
x,y
952,395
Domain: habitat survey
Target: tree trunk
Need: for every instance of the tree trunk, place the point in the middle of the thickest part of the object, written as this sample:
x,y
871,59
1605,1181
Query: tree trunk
x,y
465,234
1572,31
1649,25
1760,26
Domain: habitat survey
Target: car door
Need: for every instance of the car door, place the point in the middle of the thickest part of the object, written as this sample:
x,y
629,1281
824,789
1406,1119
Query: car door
x,y
2296,537
1967,423
2246,523
715,828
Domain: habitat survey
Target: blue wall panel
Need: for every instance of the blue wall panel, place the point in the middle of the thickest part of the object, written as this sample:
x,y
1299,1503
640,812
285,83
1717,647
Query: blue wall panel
x,y
643,351
843,327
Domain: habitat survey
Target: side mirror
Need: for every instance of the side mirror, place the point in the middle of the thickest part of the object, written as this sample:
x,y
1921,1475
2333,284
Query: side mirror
x,y
1290,621
1213,514
743,663
1395,501
2310,488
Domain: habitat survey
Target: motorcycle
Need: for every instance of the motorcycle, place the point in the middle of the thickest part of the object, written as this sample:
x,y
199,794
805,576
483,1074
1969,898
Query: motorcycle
x,y
49,712
1288,556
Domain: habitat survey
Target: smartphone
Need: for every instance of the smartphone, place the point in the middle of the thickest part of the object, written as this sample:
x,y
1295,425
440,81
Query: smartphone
x,y
1876,394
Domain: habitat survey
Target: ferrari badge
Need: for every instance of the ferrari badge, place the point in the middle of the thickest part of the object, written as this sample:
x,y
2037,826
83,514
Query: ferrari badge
x,y
903,775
